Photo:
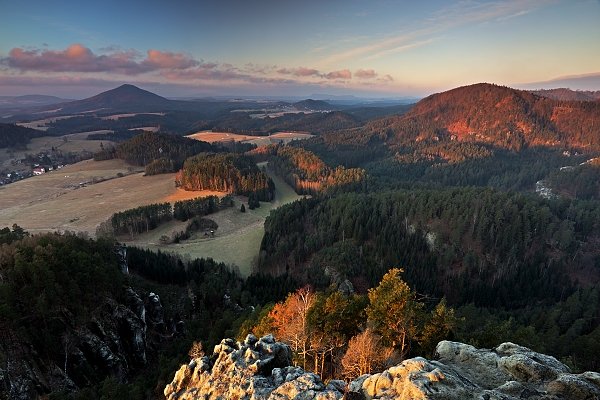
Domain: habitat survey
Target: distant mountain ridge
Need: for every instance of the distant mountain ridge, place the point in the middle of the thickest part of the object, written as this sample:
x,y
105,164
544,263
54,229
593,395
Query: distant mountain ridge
x,y
566,94
496,115
123,98
314,105
30,100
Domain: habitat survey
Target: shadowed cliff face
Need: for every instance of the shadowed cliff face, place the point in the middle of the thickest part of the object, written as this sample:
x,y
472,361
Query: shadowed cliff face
x,y
261,369
115,340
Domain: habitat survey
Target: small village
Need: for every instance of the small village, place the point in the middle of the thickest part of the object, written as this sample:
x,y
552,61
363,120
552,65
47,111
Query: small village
x,y
38,164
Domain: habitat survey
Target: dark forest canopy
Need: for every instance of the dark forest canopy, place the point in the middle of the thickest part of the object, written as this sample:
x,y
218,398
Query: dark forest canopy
x,y
225,172
581,181
147,147
470,245
140,219
306,172
15,136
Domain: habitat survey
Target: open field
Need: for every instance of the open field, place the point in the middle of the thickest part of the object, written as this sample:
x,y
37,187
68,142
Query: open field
x,y
73,143
285,137
42,124
115,117
67,199
236,241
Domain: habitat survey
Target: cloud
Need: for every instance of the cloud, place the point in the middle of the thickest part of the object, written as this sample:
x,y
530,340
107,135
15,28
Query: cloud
x,y
78,58
303,72
589,81
166,60
341,74
300,72
459,14
365,74
79,65
75,58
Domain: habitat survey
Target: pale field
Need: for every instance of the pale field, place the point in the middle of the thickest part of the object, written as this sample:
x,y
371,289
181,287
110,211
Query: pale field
x,y
115,117
146,128
285,137
74,143
236,241
42,124
56,201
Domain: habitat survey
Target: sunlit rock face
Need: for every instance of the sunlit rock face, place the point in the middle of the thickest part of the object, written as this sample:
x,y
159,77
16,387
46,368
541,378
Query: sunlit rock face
x,y
261,369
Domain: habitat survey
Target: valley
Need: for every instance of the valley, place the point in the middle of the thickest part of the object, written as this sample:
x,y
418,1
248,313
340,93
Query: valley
x,y
325,209
80,196
236,241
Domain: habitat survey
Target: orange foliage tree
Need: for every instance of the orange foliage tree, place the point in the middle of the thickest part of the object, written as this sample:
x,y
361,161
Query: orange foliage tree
x,y
289,321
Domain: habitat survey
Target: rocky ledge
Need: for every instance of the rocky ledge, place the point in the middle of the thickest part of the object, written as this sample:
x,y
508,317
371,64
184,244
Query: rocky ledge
x,y
261,369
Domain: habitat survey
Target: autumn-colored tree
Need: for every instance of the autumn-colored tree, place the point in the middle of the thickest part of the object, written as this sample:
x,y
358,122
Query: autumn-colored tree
x,y
259,323
196,351
333,320
289,319
393,311
440,325
365,354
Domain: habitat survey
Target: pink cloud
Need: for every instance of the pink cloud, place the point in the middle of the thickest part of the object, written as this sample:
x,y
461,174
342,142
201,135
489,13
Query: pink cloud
x,y
78,64
365,74
78,58
166,60
75,58
341,74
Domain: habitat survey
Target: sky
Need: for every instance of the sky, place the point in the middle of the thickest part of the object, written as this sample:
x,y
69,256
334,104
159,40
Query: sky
x,y
369,48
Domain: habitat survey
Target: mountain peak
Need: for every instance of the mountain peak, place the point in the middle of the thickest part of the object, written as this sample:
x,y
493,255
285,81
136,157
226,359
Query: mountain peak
x,y
495,115
126,97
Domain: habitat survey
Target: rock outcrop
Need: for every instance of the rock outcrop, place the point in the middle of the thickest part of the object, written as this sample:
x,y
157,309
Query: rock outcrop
x,y
261,369
114,341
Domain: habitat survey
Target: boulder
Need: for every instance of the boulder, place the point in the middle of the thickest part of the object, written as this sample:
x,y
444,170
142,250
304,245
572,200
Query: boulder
x,y
260,369
252,369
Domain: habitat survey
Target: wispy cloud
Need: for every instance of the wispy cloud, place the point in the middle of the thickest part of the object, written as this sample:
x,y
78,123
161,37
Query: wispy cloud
x,y
459,14
365,74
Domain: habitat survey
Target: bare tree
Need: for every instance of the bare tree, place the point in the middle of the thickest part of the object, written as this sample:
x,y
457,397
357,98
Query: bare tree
x,y
365,354
290,321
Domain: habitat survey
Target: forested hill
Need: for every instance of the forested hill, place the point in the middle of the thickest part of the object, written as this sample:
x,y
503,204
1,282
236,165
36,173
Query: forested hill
x,y
568,94
497,115
470,245
13,135
226,172
147,147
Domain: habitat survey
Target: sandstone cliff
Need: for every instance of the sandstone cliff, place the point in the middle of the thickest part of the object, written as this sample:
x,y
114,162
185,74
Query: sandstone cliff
x,y
115,340
261,369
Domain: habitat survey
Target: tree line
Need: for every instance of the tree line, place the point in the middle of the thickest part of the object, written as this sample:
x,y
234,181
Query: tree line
x,y
504,249
185,209
12,135
306,172
145,218
140,219
148,147
335,334
225,172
